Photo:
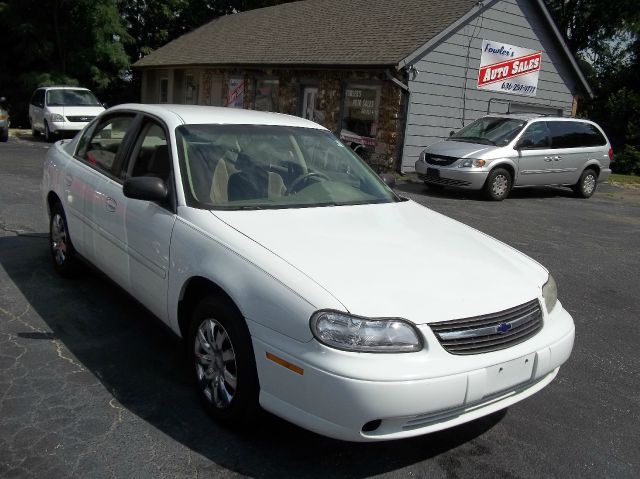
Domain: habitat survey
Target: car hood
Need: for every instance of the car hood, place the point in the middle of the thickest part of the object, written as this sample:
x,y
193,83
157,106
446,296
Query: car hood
x,y
396,259
460,149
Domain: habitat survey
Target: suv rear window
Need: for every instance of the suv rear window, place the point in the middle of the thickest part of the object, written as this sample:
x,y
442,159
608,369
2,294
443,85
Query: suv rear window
x,y
574,134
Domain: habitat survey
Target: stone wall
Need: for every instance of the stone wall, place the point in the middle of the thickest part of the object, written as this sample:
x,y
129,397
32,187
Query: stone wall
x,y
330,84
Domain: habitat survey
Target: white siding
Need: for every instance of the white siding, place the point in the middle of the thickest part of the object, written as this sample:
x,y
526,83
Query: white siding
x,y
436,101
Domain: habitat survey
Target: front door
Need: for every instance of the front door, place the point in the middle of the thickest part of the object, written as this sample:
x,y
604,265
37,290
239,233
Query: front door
x,y
309,96
535,156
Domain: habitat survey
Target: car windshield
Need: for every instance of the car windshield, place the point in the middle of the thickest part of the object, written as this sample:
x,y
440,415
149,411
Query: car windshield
x,y
490,131
260,166
68,97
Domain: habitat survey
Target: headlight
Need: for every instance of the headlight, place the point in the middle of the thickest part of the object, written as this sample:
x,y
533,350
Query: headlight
x,y
56,117
353,333
550,293
469,163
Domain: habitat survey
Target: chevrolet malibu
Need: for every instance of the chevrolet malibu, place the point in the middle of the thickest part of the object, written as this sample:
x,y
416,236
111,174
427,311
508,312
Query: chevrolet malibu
x,y
256,237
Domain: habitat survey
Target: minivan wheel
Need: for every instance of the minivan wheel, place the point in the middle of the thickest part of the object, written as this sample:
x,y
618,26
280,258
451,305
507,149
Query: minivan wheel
x,y
498,184
223,362
63,254
587,184
48,136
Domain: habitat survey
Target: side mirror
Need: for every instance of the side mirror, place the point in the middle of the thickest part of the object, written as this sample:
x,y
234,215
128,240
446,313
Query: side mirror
x,y
452,132
524,143
105,106
388,179
148,188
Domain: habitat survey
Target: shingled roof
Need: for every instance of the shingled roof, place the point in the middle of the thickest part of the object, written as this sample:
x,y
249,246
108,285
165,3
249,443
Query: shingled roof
x,y
314,32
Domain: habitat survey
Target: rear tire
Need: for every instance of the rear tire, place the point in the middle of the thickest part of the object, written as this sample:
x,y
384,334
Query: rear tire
x,y
63,254
498,184
223,362
587,184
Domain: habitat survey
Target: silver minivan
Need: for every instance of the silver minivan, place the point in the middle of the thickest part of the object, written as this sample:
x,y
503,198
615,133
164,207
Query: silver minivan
x,y
497,152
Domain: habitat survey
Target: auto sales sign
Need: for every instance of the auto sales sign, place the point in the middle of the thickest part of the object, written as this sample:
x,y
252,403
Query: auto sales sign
x,y
509,69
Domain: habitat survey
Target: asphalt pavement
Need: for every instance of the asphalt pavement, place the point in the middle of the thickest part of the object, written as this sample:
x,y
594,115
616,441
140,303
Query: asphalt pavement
x,y
91,385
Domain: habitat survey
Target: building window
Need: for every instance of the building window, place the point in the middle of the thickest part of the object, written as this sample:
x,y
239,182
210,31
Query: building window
x,y
267,95
164,90
360,115
190,90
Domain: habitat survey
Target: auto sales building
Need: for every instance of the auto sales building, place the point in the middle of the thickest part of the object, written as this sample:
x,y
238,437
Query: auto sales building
x,y
388,78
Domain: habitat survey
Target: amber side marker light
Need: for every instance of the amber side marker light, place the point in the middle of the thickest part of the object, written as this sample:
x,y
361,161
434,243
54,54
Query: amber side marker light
x,y
286,364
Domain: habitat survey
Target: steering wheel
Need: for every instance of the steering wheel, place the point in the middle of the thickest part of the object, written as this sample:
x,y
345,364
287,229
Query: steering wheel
x,y
302,181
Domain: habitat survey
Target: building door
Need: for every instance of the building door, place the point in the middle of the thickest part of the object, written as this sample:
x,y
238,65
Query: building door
x,y
215,93
309,96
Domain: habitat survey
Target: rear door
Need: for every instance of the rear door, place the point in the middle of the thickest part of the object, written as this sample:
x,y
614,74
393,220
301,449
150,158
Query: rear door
x,y
568,139
104,205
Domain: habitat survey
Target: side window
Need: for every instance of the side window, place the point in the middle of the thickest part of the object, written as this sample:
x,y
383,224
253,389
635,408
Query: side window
x,y
574,134
593,136
151,155
536,136
103,143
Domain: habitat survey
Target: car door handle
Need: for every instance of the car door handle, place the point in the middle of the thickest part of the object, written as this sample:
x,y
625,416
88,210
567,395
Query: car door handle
x,y
557,158
110,204
548,158
68,180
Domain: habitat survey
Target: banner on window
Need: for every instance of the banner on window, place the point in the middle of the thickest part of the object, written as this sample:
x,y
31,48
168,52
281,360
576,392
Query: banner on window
x,y
235,96
509,69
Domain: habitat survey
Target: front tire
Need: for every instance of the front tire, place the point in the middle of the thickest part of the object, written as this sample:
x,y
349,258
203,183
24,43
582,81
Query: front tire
x,y
48,136
63,254
498,184
587,184
223,362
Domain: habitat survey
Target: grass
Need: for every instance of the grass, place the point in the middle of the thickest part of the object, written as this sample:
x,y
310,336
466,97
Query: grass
x,y
625,179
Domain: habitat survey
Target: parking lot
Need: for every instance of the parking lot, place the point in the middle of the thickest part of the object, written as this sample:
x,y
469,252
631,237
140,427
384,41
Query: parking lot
x,y
91,385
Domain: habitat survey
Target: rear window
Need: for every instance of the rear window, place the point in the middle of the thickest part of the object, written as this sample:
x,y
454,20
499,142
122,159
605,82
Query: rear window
x,y
574,134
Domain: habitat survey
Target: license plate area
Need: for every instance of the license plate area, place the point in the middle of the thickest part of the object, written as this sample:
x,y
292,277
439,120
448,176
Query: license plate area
x,y
510,374
433,173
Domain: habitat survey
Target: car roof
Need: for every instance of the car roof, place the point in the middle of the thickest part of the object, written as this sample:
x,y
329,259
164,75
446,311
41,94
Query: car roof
x,y
535,116
63,87
175,115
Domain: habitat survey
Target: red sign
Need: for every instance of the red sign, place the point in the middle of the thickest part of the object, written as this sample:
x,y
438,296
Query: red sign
x,y
511,68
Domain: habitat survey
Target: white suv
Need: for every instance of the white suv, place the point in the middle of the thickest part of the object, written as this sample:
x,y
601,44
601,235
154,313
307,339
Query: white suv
x,y
58,110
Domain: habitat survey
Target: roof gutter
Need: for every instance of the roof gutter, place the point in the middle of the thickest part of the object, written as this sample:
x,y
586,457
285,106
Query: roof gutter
x,y
396,81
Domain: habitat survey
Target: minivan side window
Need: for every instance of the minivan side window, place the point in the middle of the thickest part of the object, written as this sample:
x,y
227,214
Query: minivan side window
x,y
536,136
574,134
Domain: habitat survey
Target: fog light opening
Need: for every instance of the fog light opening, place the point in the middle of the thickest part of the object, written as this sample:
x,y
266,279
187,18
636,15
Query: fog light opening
x,y
372,425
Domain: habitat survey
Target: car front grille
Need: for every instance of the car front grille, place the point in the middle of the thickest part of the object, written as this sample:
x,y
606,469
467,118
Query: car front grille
x,y
444,181
78,119
439,160
490,332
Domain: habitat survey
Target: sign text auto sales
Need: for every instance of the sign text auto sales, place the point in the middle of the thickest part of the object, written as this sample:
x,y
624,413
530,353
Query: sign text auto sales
x,y
509,69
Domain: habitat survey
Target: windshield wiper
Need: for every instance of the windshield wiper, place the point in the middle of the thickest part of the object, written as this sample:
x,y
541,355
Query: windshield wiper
x,y
473,139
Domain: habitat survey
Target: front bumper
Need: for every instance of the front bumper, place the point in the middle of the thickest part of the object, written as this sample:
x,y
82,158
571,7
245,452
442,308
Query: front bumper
x,y
469,178
64,128
336,401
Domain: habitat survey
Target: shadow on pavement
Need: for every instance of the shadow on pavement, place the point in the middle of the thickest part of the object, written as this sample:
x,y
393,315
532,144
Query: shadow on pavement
x,y
142,366
467,195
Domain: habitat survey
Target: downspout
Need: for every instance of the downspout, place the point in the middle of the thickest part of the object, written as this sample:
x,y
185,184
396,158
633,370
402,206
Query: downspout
x,y
404,110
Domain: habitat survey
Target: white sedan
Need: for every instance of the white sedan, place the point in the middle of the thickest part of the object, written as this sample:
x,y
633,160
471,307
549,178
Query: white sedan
x,y
259,238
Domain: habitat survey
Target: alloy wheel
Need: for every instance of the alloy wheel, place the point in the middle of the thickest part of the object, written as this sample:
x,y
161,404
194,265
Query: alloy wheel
x,y
58,239
216,366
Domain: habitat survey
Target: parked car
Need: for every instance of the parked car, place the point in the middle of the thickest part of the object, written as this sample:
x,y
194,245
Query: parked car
x,y
4,120
57,111
497,152
257,238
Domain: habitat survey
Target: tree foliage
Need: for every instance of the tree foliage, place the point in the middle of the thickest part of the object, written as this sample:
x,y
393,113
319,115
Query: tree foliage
x,y
605,36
